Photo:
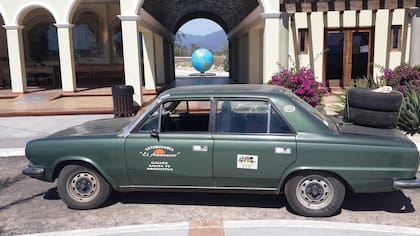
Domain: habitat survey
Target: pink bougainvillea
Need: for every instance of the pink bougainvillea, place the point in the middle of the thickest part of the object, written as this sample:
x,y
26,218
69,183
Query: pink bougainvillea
x,y
400,76
302,83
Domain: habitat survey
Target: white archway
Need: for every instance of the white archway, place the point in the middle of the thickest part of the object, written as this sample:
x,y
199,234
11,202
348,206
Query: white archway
x,y
4,15
69,14
25,9
137,7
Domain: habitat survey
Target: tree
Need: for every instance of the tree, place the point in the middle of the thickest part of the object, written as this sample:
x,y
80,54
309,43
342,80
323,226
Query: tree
x,y
194,47
226,55
179,49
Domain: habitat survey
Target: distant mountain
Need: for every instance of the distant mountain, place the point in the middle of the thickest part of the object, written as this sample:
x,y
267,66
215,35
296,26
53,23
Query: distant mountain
x,y
213,41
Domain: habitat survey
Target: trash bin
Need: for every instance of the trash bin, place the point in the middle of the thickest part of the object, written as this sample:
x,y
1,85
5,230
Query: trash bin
x,y
122,97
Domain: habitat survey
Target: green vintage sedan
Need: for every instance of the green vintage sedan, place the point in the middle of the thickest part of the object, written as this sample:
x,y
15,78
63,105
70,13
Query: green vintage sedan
x,y
232,138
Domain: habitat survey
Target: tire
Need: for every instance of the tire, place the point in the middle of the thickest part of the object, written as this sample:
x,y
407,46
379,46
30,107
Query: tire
x,y
315,194
366,99
376,119
82,188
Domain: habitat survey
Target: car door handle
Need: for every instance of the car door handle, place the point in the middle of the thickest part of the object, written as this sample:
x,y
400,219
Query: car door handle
x,y
200,148
282,150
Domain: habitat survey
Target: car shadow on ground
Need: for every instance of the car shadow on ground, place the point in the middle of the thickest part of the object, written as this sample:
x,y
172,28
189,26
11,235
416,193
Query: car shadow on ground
x,y
393,202
203,199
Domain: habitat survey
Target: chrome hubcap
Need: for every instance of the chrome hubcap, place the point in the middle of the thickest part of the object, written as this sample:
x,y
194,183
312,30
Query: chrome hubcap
x,y
83,187
315,192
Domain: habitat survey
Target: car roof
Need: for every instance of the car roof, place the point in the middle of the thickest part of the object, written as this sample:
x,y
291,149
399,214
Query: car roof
x,y
240,90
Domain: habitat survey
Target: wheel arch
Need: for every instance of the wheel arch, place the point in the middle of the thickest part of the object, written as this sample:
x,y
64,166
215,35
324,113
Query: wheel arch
x,y
81,161
290,174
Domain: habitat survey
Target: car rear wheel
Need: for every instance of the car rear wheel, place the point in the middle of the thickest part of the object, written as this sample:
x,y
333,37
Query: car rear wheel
x,y
315,194
82,188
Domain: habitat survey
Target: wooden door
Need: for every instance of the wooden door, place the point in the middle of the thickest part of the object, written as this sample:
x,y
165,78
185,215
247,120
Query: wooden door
x,y
348,56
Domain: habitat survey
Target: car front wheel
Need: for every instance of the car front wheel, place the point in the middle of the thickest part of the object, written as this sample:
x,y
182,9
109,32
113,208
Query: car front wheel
x,y
82,188
317,195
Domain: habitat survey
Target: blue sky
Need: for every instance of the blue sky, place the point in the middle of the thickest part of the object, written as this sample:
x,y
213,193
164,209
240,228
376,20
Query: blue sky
x,y
200,26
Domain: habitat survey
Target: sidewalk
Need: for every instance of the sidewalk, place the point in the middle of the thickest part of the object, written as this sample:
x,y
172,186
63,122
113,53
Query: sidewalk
x,y
17,131
247,228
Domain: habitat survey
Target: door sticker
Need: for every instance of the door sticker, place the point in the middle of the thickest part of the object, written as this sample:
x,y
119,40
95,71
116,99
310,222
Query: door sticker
x,y
159,166
289,108
159,151
245,161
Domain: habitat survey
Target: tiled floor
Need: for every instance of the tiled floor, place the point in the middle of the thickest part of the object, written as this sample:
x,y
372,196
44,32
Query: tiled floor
x,y
55,102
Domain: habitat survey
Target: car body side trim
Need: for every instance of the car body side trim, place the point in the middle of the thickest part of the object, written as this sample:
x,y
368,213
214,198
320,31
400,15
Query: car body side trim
x,y
198,188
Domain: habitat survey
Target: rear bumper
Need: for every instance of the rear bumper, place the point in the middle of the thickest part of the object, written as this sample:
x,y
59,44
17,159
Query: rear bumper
x,y
406,183
33,171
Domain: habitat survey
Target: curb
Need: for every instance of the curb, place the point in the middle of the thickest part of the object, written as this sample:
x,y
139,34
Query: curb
x,y
248,227
12,152
146,229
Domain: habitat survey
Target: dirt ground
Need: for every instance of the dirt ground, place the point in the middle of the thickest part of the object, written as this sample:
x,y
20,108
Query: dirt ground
x,y
31,206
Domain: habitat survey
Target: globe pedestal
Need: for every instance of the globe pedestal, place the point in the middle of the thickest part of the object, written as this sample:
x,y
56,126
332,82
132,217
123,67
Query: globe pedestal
x,y
203,74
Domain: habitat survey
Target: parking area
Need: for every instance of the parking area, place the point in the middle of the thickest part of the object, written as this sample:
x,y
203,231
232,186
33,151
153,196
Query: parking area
x,y
31,206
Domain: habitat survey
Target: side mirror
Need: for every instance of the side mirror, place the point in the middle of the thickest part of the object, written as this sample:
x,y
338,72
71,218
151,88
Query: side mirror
x,y
155,134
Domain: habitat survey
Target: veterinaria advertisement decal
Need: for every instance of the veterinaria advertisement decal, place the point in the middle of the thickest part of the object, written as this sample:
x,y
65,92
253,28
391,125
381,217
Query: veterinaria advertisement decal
x,y
159,151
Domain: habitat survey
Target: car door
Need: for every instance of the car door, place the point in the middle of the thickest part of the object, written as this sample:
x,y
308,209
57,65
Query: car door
x,y
172,147
253,145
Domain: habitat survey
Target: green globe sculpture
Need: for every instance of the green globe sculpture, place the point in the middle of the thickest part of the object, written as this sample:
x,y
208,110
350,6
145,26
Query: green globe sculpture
x,y
202,60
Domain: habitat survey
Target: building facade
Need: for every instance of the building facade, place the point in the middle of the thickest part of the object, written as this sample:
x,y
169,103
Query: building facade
x,y
133,39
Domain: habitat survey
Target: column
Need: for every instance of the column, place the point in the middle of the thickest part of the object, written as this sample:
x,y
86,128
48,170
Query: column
x,y
149,60
160,62
415,32
16,58
242,59
131,52
66,52
254,57
276,44
381,52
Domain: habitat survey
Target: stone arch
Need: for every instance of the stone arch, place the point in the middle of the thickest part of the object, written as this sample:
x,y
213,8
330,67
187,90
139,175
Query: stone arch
x,y
139,5
27,8
205,15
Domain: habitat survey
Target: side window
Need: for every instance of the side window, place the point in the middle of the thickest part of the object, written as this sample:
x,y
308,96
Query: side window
x,y
248,117
180,116
242,116
277,124
152,122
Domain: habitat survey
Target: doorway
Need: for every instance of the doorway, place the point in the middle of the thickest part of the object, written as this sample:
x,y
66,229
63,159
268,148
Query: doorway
x,y
348,56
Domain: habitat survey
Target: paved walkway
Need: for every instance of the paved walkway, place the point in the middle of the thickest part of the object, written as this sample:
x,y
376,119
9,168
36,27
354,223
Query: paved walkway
x,y
247,228
55,102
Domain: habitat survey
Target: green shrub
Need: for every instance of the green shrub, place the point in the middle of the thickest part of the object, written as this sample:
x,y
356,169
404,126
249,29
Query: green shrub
x,y
409,120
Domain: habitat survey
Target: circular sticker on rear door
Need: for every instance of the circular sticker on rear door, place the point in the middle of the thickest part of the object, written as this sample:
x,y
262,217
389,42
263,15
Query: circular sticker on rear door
x,y
289,108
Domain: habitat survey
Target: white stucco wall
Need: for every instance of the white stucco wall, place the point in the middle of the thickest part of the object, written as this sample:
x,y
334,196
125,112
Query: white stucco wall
x,y
380,22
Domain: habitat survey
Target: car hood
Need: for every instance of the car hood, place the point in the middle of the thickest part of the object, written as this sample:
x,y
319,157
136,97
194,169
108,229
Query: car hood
x,y
95,127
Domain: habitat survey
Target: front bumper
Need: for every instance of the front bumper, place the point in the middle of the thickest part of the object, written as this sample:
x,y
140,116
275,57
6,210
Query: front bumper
x,y
406,183
33,171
